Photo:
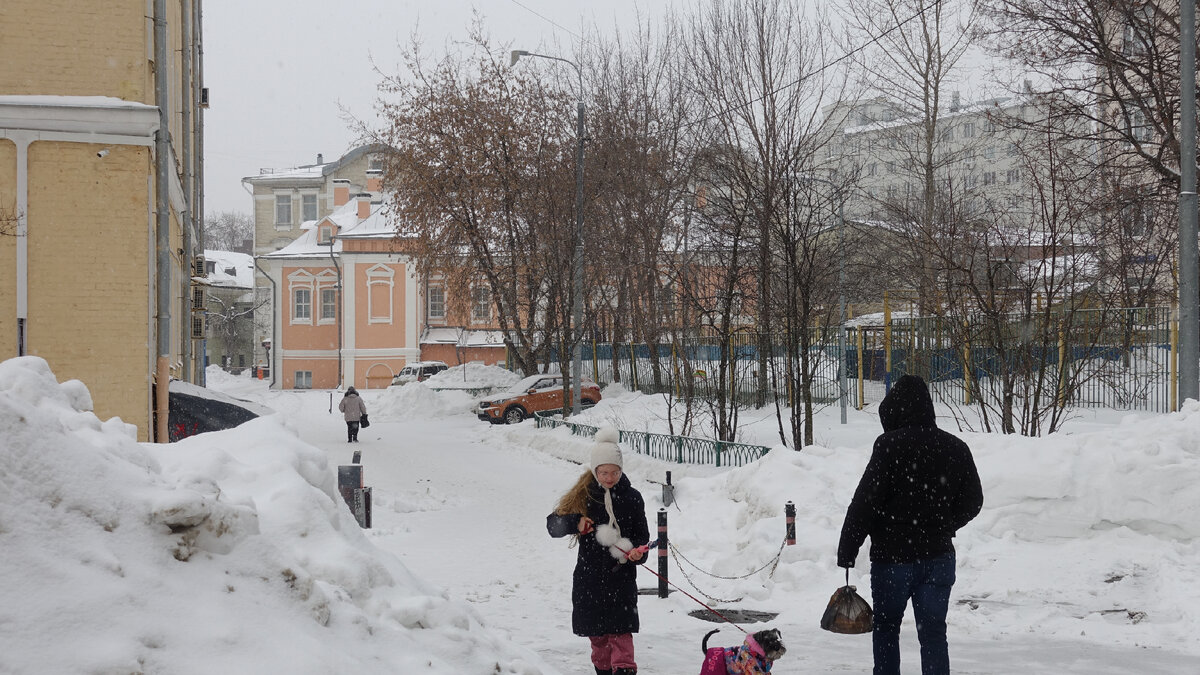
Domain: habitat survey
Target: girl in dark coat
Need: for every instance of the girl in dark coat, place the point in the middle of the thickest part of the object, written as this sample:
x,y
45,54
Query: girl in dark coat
x,y
608,517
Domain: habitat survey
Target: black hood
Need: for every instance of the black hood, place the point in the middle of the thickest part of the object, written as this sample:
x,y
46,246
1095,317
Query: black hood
x,y
908,404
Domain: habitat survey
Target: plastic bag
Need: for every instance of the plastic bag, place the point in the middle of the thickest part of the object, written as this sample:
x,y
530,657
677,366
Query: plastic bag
x,y
847,612
363,421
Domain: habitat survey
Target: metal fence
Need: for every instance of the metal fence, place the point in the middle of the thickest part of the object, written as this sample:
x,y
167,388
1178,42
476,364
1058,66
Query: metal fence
x,y
678,449
1114,358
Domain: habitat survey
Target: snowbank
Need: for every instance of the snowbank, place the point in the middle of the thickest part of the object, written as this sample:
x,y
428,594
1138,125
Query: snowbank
x,y
473,376
121,557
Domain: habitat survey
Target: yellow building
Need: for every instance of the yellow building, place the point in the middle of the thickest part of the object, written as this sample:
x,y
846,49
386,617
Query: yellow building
x,y
96,252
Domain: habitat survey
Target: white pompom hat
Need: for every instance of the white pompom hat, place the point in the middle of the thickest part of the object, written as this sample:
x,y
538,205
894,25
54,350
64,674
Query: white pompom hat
x,y
605,449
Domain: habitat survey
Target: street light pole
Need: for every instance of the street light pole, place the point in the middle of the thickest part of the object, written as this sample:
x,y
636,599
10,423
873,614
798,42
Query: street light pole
x,y
577,266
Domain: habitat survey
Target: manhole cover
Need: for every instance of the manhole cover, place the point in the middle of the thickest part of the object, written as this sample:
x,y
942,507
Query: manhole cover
x,y
734,615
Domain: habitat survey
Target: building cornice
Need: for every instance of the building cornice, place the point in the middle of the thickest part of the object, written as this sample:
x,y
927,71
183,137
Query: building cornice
x,y
78,114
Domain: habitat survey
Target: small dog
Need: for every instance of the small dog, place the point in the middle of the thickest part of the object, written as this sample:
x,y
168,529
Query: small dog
x,y
754,657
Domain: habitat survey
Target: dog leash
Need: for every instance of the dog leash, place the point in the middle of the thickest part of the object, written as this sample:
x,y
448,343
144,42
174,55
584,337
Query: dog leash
x,y
724,618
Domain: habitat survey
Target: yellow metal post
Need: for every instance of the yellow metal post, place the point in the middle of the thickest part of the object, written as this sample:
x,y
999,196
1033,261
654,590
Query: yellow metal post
x,y
860,368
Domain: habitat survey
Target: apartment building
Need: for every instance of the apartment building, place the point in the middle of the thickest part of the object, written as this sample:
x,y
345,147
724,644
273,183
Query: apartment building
x,y
97,101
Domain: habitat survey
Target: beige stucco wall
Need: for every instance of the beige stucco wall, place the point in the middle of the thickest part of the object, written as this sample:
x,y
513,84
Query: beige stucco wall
x,y
89,293
8,248
380,335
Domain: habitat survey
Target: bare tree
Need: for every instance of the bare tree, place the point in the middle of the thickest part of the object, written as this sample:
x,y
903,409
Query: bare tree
x,y
229,231
477,172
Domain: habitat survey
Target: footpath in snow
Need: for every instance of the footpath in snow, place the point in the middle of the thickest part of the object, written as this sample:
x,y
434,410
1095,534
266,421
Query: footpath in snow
x,y
232,552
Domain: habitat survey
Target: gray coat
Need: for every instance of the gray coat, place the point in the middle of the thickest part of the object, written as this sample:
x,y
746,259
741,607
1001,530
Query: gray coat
x,y
353,407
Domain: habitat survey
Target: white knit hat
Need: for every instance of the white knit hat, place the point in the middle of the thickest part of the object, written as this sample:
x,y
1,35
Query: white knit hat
x,y
605,450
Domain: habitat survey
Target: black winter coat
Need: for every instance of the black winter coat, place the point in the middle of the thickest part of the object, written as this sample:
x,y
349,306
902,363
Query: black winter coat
x,y
920,485
604,592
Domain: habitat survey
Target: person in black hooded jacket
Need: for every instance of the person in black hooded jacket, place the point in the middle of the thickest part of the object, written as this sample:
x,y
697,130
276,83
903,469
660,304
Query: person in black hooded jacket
x,y
920,486
608,515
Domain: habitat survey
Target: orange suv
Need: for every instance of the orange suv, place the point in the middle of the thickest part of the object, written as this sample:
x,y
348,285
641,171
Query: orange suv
x,y
536,393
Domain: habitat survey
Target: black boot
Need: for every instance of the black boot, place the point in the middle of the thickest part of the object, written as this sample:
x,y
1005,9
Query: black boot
x,y
603,672
624,671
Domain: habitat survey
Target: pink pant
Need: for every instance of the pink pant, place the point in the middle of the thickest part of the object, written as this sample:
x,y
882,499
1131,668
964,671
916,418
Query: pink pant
x,y
613,651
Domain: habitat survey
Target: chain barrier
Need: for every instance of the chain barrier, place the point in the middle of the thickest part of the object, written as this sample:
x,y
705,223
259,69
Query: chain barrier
x,y
773,563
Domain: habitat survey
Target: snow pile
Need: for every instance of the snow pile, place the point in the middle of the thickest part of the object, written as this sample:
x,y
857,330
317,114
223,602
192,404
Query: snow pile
x,y
416,400
474,376
123,557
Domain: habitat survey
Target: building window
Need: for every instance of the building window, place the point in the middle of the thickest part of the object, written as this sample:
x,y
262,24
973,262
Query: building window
x,y
872,169
308,207
328,305
1013,176
302,305
380,286
283,210
1139,130
989,178
374,164
989,152
325,236
481,304
303,379
968,130
437,303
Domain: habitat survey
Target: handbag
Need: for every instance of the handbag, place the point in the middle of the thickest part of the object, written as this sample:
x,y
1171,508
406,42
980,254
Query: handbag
x,y
363,421
847,612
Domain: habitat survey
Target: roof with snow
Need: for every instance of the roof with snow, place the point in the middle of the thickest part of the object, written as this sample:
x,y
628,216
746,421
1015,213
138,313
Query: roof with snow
x,y
230,269
462,336
377,225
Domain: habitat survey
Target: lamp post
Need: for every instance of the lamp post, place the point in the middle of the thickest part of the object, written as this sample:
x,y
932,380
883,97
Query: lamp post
x,y
577,273
842,388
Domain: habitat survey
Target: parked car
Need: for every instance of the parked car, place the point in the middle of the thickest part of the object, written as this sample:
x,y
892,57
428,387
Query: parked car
x,y
536,393
418,372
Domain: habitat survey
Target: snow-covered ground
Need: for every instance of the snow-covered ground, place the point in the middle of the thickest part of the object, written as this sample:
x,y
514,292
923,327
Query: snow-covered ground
x,y
231,552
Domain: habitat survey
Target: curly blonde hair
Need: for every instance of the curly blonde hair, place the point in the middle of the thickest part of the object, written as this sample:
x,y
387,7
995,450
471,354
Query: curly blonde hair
x,y
576,499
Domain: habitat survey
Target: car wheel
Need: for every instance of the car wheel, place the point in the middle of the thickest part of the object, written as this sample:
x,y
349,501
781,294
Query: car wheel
x,y
514,415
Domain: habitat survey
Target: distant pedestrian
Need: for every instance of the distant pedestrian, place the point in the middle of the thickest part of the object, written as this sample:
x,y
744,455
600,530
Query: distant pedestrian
x,y
354,408
608,517
920,486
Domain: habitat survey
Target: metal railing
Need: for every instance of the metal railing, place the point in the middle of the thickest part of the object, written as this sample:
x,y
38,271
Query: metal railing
x,y
678,449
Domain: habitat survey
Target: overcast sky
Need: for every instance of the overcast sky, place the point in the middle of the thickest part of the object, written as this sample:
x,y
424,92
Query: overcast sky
x,y
278,69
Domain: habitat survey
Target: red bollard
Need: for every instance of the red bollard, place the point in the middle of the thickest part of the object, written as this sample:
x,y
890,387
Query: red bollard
x,y
789,510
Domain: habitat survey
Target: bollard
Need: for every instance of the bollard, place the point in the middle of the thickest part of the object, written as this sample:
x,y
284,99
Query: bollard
x,y
357,457
789,510
356,496
668,491
662,553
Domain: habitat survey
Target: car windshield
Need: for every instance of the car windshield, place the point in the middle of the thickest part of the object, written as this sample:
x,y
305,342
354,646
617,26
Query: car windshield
x,y
534,381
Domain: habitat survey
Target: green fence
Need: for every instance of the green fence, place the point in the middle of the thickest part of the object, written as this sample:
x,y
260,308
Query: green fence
x,y
1113,358
678,449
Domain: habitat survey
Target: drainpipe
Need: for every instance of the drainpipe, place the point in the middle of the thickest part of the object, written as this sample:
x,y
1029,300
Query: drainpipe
x,y
338,309
274,342
189,252
162,379
198,155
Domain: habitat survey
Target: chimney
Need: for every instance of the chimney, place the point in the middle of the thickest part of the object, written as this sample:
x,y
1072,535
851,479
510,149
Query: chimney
x,y
954,102
320,158
341,191
374,180
364,205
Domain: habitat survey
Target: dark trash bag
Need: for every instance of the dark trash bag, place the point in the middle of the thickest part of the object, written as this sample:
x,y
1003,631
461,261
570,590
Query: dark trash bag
x,y
847,612
363,421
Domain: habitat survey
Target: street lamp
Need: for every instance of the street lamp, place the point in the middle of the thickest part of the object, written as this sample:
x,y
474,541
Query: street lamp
x,y
842,388
577,274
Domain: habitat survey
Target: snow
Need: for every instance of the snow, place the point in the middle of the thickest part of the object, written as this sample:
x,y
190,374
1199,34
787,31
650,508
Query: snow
x,y
230,269
232,551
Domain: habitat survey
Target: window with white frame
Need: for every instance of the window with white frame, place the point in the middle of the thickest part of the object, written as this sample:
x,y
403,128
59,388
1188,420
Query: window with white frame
x,y
1013,176
989,178
968,130
481,303
308,206
375,164
283,210
437,303
328,305
325,235
380,289
303,379
1139,129
302,305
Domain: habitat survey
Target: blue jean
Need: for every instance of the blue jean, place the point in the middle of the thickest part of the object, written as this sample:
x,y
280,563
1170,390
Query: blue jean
x,y
928,583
